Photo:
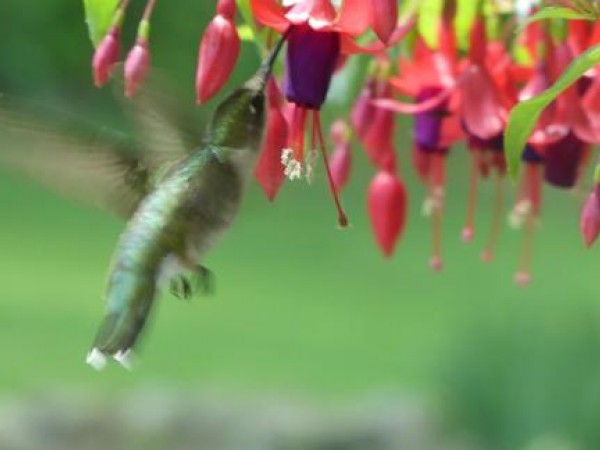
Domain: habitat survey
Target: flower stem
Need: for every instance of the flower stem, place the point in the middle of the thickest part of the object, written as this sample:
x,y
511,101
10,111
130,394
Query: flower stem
x,y
342,218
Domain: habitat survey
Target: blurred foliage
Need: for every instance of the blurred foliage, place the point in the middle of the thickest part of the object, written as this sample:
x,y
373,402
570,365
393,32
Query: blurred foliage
x,y
301,307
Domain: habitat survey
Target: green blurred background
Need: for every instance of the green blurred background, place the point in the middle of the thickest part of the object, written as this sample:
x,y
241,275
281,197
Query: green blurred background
x,y
303,311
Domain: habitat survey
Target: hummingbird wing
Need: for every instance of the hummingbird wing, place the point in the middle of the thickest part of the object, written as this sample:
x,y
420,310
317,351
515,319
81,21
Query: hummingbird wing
x,y
97,166
169,128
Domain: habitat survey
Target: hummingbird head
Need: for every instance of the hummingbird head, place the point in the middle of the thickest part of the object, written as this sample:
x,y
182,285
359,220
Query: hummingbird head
x,y
239,120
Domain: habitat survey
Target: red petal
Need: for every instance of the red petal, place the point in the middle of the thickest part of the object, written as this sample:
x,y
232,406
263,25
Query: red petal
x,y
482,112
270,14
478,42
387,203
354,18
579,35
349,45
217,56
452,131
385,18
318,13
269,170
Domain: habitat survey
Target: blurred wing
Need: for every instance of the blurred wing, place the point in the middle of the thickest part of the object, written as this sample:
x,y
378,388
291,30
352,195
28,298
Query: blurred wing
x,y
95,166
167,127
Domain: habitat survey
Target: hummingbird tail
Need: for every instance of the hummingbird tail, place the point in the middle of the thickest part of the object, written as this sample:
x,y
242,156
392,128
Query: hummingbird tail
x,y
118,334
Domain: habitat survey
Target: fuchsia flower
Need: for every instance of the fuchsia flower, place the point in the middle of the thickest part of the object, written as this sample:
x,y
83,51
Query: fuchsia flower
x,y
453,98
431,79
317,35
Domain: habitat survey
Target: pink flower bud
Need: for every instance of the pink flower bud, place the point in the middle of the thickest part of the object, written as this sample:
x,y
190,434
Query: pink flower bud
x,y
227,8
379,138
362,110
387,203
269,171
217,56
340,164
385,18
589,223
105,57
136,67
339,132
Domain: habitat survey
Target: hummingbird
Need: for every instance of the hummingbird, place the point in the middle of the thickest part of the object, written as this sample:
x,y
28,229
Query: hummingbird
x,y
176,203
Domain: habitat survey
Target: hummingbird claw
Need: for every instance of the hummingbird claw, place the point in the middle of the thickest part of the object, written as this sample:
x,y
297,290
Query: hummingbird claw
x,y
96,359
181,288
206,280
125,358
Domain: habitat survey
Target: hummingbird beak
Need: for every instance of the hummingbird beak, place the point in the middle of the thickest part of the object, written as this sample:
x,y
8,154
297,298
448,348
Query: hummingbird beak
x,y
264,72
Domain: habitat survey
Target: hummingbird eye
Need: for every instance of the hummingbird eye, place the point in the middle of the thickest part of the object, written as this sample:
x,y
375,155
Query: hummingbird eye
x,y
257,103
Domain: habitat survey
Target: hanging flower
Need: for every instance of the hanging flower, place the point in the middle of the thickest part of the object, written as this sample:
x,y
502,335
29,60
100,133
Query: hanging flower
x,y
317,35
218,53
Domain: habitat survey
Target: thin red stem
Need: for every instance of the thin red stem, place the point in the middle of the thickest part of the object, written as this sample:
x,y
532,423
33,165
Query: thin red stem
x,y
342,218
470,221
492,239
438,181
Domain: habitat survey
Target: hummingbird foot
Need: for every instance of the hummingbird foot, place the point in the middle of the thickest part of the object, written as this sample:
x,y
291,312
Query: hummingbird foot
x,y
182,288
205,280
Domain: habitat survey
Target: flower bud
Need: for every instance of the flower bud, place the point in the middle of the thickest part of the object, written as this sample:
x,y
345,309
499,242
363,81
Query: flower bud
x,y
105,57
218,53
387,203
363,109
340,164
136,67
589,223
385,18
226,8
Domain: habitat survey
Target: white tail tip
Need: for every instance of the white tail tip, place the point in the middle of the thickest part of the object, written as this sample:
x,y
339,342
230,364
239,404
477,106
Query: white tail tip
x,y
125,358
96,359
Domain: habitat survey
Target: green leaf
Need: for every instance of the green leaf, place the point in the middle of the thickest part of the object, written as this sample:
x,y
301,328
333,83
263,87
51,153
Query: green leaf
x,y
99,16
246,33
558,12
466,10
429,20
524,116
246,12
249,30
